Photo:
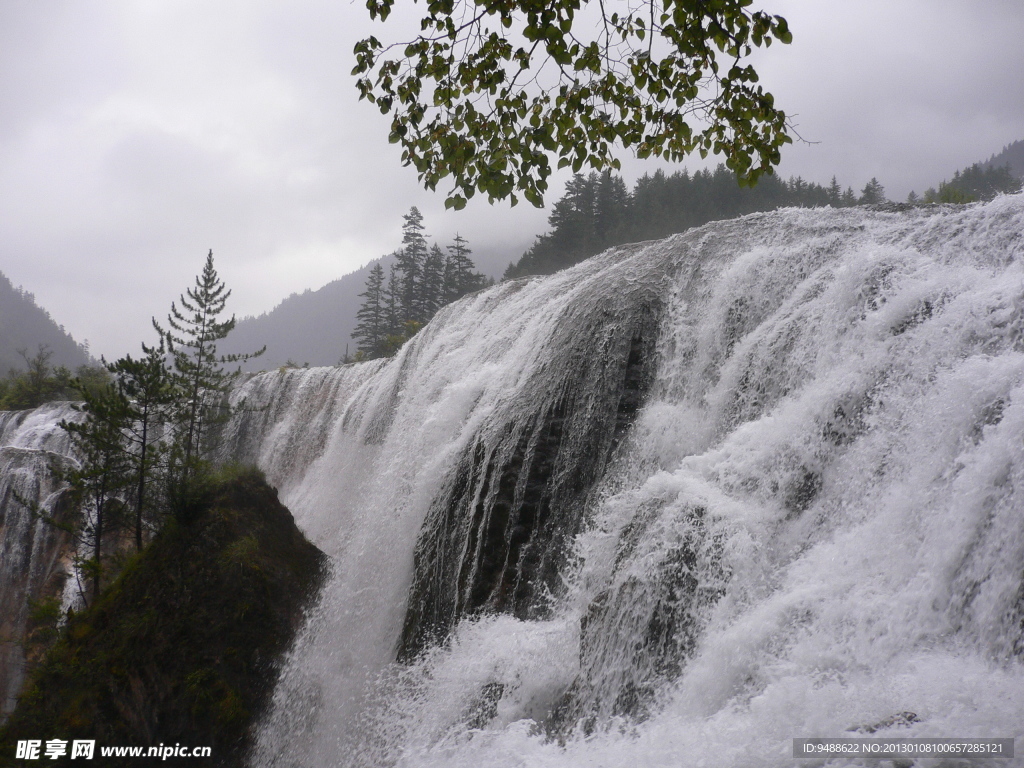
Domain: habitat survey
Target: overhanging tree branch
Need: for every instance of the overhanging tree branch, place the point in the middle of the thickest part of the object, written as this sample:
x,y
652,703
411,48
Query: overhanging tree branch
x,y
461,113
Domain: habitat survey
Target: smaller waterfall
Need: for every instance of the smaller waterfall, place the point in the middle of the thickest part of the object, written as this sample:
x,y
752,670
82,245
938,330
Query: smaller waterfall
x,y
33,554
282,419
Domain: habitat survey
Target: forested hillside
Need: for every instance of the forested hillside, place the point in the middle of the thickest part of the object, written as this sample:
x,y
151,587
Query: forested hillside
x,y
421,280
1012,155
24,325
598,212
332,324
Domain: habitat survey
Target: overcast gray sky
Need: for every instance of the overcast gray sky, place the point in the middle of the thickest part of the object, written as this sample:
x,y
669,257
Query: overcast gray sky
x,y
137,134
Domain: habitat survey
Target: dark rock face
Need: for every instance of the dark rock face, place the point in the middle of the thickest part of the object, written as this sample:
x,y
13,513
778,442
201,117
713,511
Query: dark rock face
x,y
641,631
183,647
496,541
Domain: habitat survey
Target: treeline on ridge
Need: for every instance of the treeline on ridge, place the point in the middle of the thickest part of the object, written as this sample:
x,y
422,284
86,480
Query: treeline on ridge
x,y
598,211
41,382
25,327
421,281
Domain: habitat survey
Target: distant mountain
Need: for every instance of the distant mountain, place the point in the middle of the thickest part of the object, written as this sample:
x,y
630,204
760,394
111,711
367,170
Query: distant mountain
x,y
316,327
1012,155
312,327
26,325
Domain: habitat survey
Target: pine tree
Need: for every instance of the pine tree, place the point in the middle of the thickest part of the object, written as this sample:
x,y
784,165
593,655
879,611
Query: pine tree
x,y
431,293
393,302
460,278
873,193
198,374
410,265
102,475
448,288
150,392
466,278
372,327
835,193
611,209
572,217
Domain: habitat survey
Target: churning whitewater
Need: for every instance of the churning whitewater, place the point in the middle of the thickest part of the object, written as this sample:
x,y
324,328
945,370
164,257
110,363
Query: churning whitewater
x,y
674,506
677,505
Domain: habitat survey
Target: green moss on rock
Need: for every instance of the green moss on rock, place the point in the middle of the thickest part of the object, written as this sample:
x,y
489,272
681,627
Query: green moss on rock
x,y
183,647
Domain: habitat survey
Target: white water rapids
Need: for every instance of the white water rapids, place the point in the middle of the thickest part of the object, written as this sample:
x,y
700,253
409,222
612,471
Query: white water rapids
x,y
810,524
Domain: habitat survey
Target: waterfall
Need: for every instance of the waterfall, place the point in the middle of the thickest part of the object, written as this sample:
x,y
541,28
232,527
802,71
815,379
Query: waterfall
x,y
689,499
33,554
677,505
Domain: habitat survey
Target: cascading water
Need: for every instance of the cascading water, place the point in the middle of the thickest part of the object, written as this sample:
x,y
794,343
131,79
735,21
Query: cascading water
x,y
674,506
679,505
32,553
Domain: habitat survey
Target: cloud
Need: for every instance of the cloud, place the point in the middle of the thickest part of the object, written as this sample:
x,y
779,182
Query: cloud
x,y
138,135
908,92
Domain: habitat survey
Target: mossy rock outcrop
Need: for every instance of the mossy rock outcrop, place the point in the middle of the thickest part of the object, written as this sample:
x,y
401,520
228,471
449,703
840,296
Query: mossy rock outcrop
x,y
184,647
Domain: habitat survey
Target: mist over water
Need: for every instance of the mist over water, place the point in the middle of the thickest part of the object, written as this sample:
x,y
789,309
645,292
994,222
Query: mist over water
x,y
677,505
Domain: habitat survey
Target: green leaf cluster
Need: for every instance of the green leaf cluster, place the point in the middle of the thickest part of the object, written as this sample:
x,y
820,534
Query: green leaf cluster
x,y
490,91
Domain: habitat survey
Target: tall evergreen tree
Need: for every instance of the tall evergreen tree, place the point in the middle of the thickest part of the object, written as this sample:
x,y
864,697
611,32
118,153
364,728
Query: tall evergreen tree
x,y
572,217
873,193
835,193
448,287
410,265
393,302
572,235
431,293
198,373
372,326
459,268
150,393
611,210
102,475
